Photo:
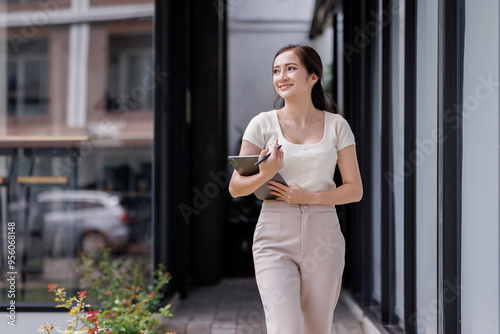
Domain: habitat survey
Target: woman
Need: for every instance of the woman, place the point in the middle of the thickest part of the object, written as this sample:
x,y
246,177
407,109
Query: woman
x,y
298,246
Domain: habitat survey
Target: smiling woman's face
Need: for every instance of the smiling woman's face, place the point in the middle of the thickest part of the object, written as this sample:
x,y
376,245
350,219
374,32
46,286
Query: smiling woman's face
x,y
290,77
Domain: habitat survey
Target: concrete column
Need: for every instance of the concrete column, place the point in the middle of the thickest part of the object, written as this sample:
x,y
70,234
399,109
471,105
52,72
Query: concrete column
x,y
79,43
58,84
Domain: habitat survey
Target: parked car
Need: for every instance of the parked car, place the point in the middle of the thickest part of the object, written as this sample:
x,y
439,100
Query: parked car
x,y
81,220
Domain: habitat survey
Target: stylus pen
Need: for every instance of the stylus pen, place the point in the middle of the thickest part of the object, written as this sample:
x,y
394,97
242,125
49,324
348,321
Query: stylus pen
x,y
265,157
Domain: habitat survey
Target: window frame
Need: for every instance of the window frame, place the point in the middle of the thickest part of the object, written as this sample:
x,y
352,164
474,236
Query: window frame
x,y
97,113
123,75
13,119
21,63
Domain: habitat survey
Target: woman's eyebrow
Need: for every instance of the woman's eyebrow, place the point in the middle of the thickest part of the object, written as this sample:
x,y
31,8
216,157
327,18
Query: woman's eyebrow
x,y
288,64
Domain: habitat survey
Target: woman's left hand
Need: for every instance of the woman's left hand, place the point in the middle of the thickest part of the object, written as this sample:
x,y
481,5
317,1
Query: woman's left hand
x,y
292,194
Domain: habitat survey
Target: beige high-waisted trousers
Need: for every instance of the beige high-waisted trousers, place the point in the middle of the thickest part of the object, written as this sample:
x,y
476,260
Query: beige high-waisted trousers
x,y
298,254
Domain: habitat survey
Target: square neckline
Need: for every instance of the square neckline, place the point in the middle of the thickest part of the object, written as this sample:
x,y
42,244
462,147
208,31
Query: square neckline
x,y
276,119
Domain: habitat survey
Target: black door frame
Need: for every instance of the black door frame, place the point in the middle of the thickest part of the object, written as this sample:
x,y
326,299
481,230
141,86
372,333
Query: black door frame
x,y
451,35
190,121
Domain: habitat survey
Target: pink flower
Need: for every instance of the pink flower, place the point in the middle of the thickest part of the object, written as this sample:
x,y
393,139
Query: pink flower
x,y
45,327
92,316
52,287
81,294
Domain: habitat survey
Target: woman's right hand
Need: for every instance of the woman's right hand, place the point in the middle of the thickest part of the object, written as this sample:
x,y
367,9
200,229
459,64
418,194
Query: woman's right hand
x,y
274,163
245,185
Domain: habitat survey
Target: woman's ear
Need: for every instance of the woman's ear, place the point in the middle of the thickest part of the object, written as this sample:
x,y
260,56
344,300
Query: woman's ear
x,y
314,78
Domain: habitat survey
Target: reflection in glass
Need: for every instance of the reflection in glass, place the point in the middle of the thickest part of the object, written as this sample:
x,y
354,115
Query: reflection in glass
x,y
27,77
130,57
75,179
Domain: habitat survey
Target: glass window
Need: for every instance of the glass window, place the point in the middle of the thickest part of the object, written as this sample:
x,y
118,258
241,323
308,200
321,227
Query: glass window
x,y
27,77
130,57
479,288
78,177
426,194
376,171
397,72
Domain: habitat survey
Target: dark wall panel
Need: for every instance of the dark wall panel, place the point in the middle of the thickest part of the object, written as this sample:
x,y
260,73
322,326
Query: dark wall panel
x,y
208,140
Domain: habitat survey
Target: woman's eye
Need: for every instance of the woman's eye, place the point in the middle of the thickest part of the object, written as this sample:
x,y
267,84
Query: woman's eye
x,y
291,68
275,71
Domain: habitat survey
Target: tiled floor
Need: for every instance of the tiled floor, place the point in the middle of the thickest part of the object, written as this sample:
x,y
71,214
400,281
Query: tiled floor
x,y
234,307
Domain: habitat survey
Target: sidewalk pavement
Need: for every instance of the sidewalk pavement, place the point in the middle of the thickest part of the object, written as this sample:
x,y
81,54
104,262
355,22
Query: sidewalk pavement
x,y
234,307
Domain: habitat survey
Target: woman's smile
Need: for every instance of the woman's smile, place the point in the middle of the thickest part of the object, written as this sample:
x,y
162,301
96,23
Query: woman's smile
x,y
290,76
285,86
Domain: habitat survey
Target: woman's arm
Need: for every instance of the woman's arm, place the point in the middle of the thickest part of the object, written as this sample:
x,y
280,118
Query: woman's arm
x,y
246,185
350,191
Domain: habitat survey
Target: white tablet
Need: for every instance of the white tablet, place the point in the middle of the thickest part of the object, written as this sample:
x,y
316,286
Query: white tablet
x,y
245,165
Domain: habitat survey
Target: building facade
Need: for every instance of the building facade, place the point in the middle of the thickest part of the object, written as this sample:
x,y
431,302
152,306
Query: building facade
x,y
76,135
125,98
419,84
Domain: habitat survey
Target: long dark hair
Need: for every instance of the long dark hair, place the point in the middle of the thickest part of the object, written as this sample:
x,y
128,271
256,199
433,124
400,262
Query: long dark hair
x,y
312,61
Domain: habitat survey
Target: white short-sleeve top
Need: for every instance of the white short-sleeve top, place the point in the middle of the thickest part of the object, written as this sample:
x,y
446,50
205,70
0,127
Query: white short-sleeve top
x,y
310,166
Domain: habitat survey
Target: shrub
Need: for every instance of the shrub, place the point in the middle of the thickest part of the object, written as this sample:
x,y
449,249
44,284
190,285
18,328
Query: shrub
x,y
124,301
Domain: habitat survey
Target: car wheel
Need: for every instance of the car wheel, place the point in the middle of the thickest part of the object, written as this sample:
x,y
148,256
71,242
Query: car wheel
x,y
91,242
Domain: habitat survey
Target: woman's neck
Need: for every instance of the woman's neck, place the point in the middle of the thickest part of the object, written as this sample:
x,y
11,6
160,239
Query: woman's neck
x,y
300,111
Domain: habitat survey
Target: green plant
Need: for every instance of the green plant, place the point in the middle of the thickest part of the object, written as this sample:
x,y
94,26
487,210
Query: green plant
x,y
121,289
80,322
127,302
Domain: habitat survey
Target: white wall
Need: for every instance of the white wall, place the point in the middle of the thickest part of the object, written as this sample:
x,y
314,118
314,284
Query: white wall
x,y
323,44
480,181
256,30
30,322
426,167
